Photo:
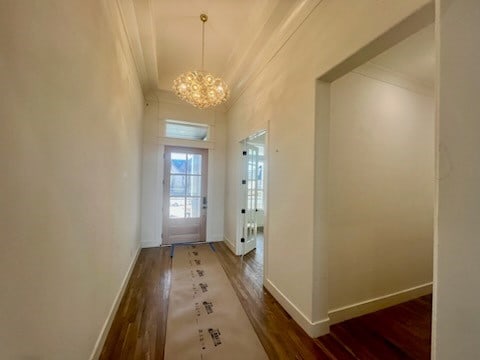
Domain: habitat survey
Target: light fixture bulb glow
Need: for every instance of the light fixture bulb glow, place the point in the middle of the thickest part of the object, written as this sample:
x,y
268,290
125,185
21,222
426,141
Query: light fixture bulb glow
x,y
198,87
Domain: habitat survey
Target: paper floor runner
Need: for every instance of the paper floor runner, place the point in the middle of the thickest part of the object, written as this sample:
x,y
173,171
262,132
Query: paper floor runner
x,y
205,319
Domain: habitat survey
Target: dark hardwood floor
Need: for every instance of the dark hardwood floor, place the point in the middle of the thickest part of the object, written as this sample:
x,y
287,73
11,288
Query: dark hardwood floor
x,y
138,330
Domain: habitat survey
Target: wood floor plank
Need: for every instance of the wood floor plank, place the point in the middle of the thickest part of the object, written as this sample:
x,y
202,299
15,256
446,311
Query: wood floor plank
x,y
139,327
278,332
406,326
363,343
334,349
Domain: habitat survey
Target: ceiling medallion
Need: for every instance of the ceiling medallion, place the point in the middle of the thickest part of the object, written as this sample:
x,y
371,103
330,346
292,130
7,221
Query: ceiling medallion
x,y
199,87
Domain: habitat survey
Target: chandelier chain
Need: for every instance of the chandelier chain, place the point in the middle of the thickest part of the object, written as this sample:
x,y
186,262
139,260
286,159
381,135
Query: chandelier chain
x,y
203,44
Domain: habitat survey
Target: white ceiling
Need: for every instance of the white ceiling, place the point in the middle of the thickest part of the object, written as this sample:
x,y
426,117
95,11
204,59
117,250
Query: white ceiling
x,y
241,35
178,29
414,57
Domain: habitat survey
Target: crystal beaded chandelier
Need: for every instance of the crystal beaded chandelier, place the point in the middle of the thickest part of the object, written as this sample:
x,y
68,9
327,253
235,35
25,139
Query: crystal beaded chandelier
x,y
198,87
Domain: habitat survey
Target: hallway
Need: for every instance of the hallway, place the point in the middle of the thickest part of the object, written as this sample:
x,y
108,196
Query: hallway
x,y
95,93
138,330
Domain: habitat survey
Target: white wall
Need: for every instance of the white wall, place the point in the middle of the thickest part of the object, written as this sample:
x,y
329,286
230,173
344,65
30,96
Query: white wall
x,y
457,267
161,106
283,96
234,197
70,147
381,178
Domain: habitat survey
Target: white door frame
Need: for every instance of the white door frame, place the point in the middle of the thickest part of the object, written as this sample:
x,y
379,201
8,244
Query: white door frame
x,y
181,224
162,142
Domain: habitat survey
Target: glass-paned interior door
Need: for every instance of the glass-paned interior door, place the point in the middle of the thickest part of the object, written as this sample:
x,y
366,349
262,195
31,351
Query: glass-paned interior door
x,y
252,188
184,195
252,198
251,165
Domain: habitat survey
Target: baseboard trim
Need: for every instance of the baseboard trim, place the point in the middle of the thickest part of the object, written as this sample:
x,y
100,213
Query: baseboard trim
x,y
149,244
313,329
378,303
230,245
113,310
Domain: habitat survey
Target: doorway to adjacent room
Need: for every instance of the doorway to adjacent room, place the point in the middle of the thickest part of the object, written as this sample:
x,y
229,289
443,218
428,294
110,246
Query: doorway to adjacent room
x,y
253,193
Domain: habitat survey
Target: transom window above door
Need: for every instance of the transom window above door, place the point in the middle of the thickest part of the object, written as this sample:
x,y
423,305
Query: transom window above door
x,y
187,131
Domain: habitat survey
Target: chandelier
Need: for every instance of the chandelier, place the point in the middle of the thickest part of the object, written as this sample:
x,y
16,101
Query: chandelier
x,y
199,87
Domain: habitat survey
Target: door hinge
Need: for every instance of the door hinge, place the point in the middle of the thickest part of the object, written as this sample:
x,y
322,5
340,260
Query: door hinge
x,y
244,153
162,236
243,211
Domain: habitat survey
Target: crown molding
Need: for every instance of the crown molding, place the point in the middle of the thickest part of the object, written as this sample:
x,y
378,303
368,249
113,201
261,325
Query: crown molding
x,y
142,39
130,26
278,28
267,32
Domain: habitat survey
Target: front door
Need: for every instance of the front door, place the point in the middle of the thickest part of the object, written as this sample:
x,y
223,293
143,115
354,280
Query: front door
x,y
184,195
